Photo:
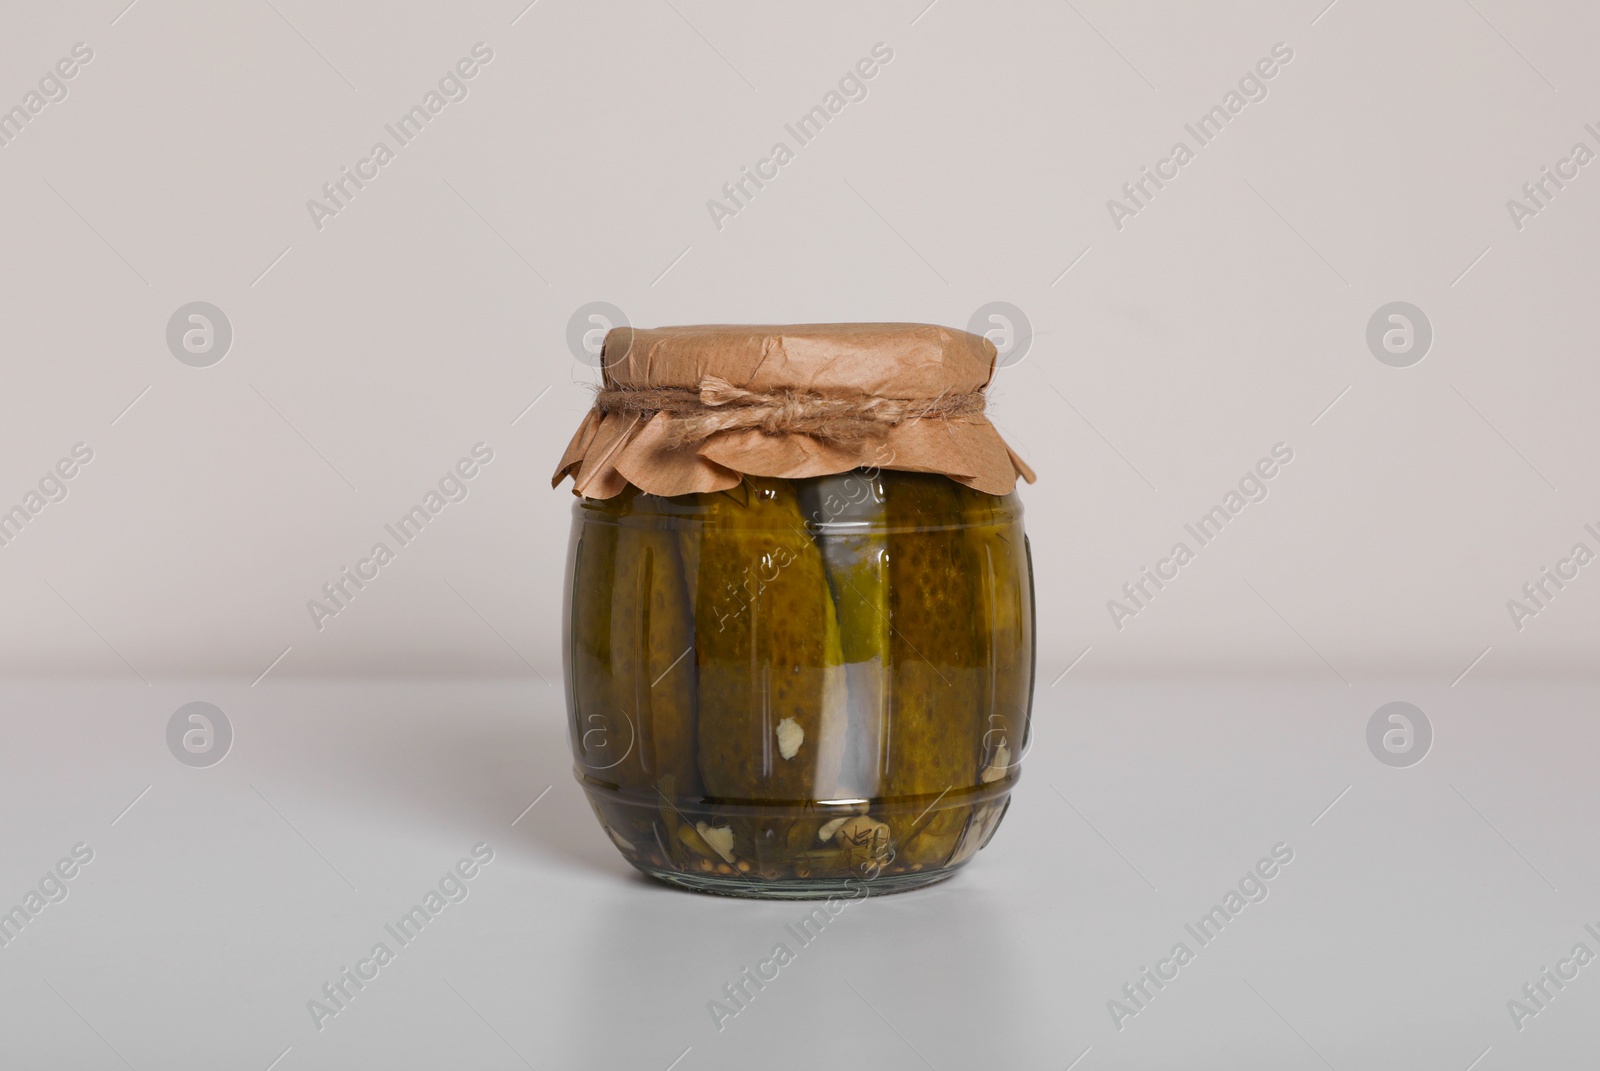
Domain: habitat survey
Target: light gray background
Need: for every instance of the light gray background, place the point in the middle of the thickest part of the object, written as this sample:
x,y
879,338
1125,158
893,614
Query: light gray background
x,y
1169,355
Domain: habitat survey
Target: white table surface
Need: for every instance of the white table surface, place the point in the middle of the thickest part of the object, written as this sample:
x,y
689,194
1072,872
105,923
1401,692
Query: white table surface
x,y
219,903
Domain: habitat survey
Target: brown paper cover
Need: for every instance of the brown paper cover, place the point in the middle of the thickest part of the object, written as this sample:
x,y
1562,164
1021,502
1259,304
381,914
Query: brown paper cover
x,y
905,361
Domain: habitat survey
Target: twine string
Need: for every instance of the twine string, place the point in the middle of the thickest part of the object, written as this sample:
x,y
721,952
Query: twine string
x,y
717,406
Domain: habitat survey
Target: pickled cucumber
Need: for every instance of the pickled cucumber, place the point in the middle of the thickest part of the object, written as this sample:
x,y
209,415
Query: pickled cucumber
x,y
767,651
846,516
595,715
652,628
1003,584
937,657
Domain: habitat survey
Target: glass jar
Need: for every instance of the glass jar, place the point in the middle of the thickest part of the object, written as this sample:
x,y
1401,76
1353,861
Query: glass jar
x,y
800,688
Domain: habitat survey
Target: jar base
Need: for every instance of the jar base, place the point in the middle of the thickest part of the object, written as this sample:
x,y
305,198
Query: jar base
x,y
751,887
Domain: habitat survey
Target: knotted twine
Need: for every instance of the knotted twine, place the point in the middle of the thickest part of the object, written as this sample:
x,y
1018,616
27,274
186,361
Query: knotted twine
x,y
718,405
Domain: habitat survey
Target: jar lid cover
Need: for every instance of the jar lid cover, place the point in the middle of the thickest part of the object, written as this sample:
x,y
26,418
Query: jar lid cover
x,y
692,409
